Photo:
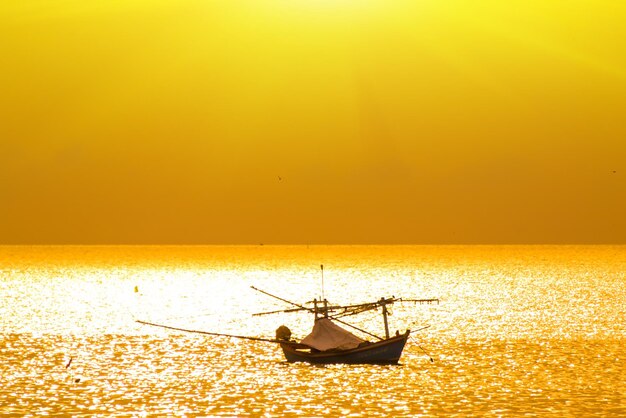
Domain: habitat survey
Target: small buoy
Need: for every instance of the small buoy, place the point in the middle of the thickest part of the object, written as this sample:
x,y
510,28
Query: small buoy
x,y
77,380
136,289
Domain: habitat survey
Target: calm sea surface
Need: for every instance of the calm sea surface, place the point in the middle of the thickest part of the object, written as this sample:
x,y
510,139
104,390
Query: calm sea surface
x,y
519,330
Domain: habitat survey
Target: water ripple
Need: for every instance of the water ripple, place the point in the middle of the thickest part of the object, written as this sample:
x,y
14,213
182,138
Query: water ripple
x,y
520,330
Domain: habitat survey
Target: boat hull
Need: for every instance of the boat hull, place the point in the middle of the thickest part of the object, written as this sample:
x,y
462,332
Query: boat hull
x,y
382,352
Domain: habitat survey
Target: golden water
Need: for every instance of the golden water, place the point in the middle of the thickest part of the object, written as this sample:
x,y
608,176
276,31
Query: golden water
x,y
519,330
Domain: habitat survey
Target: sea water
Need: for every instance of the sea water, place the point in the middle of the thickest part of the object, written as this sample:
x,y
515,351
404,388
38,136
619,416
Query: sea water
x,y
518,330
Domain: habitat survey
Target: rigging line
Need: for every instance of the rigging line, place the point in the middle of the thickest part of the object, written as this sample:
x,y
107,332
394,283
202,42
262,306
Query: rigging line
x,y
284,300
356,328
428,355
422,348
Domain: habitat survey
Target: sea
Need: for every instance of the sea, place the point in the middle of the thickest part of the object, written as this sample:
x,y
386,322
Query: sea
x,y
518,330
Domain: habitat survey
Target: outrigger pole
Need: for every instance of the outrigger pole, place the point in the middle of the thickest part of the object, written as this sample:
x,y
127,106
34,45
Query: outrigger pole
x,y
267,340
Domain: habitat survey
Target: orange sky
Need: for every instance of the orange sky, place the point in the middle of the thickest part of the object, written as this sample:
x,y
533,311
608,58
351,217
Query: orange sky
x,y
312,121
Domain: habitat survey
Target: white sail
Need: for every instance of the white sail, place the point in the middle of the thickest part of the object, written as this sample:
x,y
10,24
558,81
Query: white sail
x,y
326,335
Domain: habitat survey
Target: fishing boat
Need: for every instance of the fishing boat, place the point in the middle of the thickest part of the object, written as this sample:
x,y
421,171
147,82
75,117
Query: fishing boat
x,y
328,342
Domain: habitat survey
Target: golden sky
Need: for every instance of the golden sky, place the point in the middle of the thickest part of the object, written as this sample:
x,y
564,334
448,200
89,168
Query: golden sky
x,y
312,121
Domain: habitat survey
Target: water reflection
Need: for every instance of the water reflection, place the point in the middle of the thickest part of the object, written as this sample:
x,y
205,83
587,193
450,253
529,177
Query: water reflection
x,y
519,331
120,374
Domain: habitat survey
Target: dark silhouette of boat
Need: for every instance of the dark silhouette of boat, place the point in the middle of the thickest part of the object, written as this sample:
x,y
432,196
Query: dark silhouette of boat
x,y
328,343
387,351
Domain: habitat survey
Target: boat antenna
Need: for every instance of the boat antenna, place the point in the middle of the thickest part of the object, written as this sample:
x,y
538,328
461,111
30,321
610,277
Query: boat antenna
x,y
322,267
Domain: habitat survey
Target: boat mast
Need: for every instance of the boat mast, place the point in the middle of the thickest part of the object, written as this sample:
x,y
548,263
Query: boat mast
x,y
323,300
322,268
324,309
383,303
